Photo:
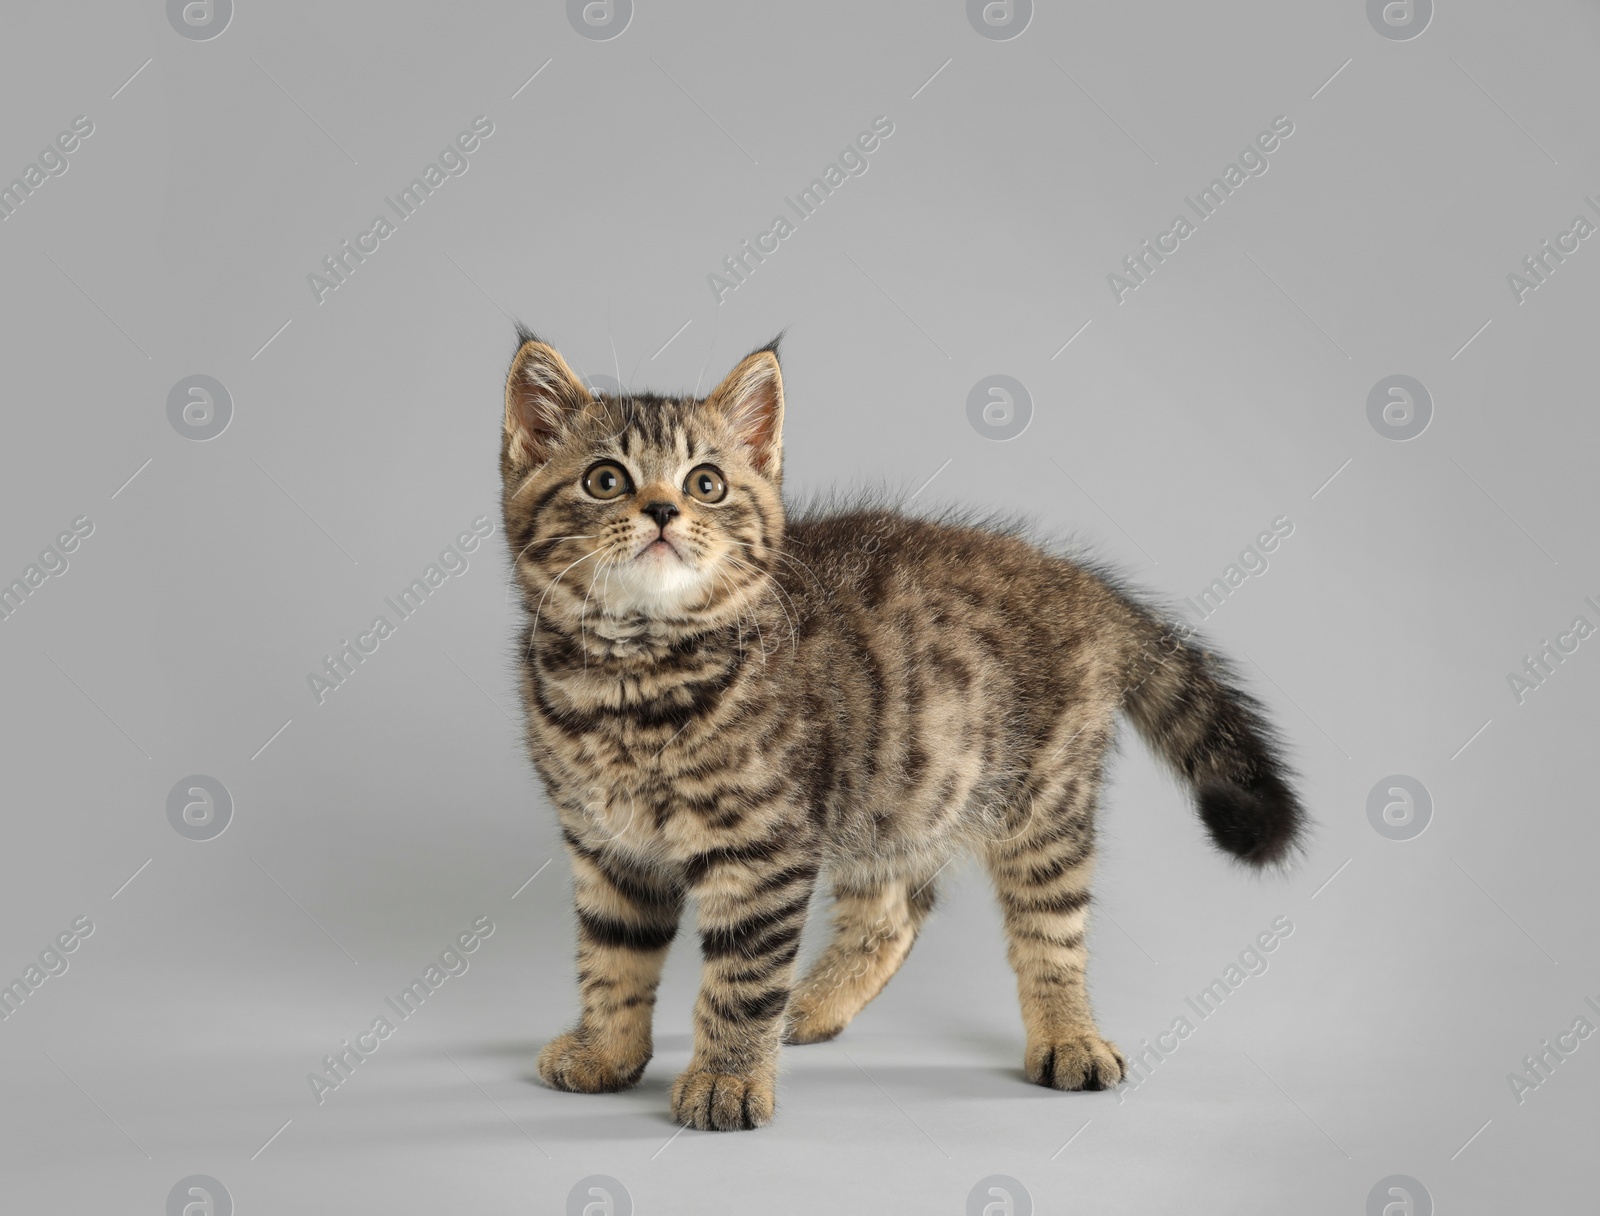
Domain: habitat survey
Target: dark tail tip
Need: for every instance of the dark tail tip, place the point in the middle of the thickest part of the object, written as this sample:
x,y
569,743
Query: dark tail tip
x,y
1259,826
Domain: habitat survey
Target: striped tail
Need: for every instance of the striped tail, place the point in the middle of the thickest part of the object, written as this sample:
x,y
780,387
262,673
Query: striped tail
x,y
1187,705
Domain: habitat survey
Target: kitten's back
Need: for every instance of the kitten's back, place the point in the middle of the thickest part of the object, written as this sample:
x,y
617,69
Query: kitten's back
x,y
1044,637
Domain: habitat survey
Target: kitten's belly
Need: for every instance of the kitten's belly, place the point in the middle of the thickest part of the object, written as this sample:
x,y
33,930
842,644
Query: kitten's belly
x,y
926,808
949,755
901,798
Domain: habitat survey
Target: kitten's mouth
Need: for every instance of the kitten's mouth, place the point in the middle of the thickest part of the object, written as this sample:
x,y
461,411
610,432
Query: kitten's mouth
x,y
659,548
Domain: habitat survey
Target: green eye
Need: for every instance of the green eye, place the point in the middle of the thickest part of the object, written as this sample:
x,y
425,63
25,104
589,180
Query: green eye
x,y
705,484
606,480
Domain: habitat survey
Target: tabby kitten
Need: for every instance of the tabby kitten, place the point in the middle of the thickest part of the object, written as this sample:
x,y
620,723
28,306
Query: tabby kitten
x,y
729,704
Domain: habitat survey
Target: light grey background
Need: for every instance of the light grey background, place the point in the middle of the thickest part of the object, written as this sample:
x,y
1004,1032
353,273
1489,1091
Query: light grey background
x,y
1225,392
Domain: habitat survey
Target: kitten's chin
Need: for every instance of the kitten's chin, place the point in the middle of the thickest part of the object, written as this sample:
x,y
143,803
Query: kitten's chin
x,y
657,583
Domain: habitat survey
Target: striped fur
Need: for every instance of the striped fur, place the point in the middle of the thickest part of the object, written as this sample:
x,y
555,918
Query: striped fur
x,y
734,705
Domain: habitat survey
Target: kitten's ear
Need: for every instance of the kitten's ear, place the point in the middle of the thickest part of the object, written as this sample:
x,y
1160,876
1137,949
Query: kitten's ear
x,y
751,399
541,393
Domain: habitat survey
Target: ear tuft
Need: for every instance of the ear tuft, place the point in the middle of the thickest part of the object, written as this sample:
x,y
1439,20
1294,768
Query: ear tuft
x,y
541,394
751,399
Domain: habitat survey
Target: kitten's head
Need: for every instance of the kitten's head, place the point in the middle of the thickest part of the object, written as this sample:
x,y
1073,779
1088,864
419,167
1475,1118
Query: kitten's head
x,y
642,508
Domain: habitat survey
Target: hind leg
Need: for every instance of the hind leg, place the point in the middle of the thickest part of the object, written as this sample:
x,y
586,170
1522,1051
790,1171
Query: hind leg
x,y
875,923
1042,878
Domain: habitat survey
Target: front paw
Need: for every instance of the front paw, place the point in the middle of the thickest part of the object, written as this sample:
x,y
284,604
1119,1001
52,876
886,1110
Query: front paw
x,y
1081,1060
723,1102
572,1063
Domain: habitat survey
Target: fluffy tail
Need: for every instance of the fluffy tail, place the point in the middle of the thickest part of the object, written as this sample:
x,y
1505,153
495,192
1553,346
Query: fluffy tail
x,y
1186,704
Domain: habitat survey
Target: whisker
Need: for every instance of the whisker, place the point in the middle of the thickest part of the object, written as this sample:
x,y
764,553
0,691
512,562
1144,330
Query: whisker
x,y
792,612
539,540
733,599
756,620
583,629
606,586
788,619
534,632
793,622
783,557
738,615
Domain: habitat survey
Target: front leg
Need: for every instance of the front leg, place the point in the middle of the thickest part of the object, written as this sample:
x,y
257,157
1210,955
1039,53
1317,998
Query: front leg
x,y
752,900
627,917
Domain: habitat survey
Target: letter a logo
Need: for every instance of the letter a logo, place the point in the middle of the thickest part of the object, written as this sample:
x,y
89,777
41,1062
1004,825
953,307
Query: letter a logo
x,y
599,1195
1002,1205
1399,1195
1403,1205
199,1195
999,1195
